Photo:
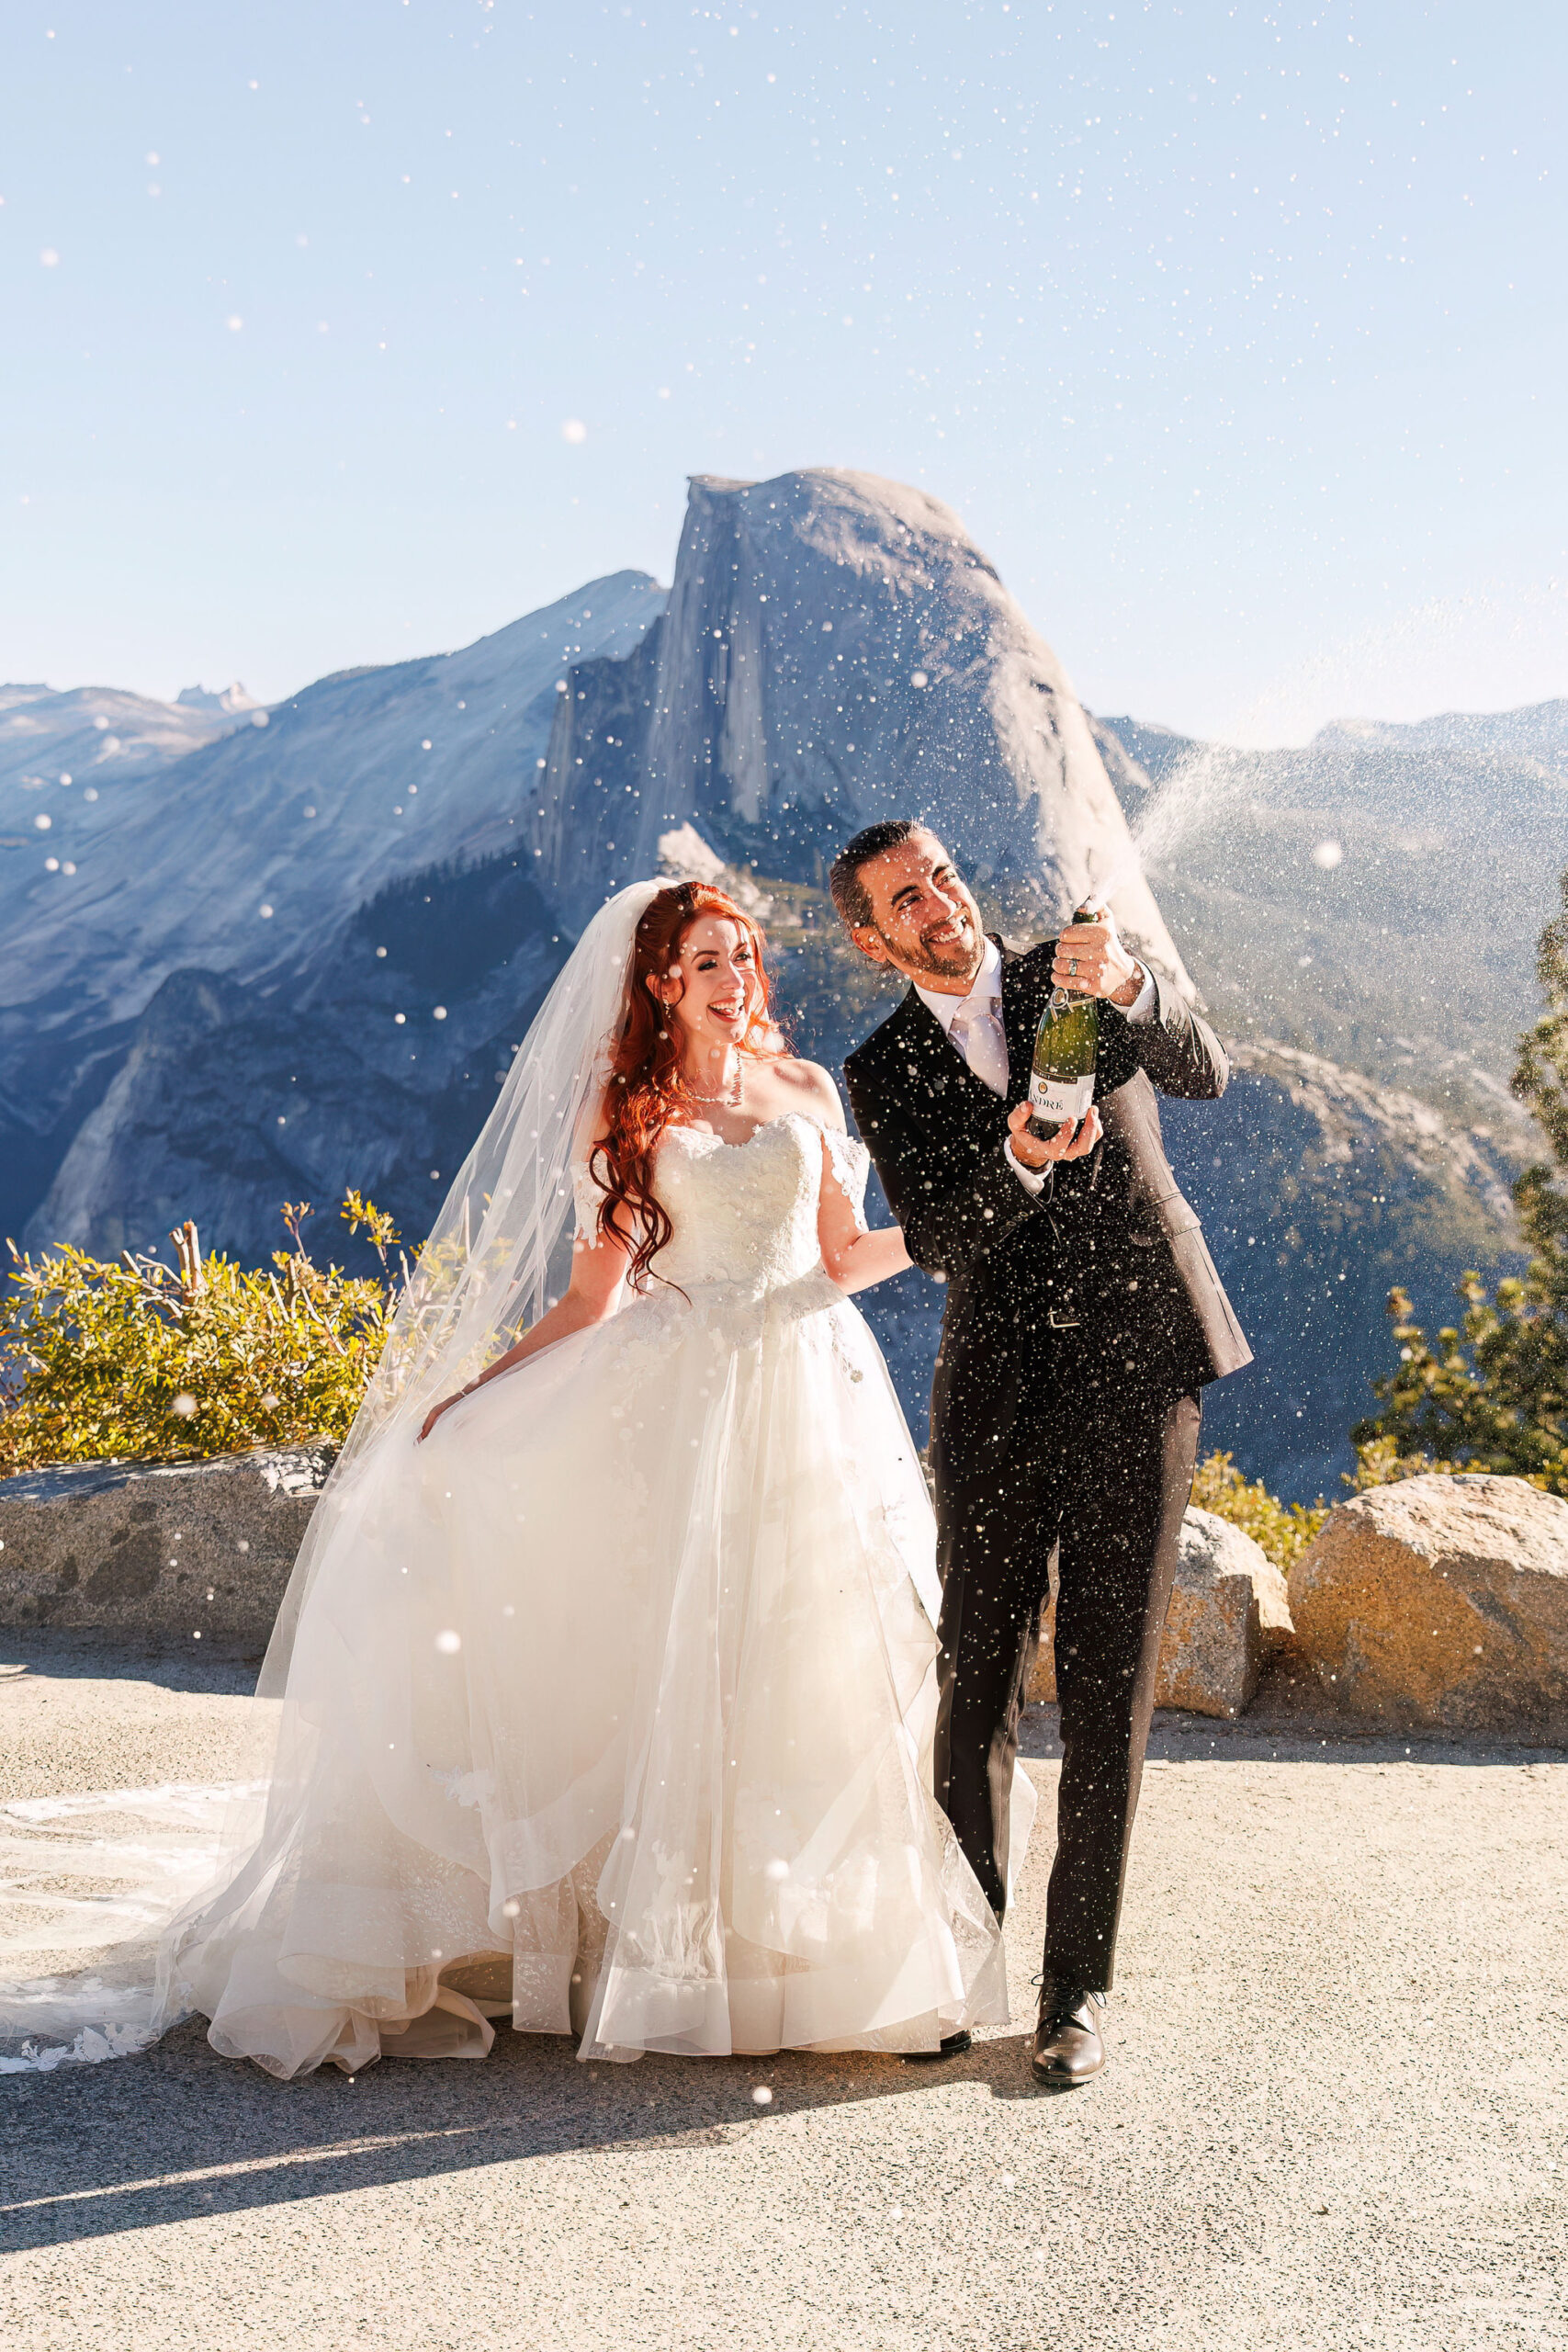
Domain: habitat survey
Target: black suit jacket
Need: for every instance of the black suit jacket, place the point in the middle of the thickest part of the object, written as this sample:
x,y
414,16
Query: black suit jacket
x,y
1109,1265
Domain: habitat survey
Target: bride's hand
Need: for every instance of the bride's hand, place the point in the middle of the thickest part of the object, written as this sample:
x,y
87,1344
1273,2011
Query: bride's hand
x,y
435,1412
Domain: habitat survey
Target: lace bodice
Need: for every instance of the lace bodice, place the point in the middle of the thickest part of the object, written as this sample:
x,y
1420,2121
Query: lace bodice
x,y
745,1212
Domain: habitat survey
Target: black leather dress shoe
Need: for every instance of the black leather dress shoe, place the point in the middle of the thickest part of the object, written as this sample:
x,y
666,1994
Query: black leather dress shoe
x,y
1067,2045
952,2045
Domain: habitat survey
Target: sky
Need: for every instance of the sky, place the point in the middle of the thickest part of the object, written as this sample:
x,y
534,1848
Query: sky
x,y
1234,334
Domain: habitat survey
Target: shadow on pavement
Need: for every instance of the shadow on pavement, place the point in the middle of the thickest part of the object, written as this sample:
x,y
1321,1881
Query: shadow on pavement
x,y
1275,1731
179,2132
65,1653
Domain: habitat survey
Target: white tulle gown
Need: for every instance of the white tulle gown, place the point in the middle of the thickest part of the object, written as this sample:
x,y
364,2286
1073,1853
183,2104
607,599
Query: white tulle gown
x,y
616,1717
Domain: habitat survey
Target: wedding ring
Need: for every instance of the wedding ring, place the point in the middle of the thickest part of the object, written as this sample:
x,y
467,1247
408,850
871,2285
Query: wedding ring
x,y
1072,967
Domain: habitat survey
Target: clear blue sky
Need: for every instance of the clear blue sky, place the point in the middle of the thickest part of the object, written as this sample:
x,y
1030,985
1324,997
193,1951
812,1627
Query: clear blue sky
x,y
1235,333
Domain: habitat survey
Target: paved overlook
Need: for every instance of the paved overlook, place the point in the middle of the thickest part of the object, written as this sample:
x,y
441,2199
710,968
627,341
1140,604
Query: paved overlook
x,y
1335,2116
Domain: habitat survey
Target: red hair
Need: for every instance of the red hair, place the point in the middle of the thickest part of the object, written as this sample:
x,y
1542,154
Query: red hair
x,y
647,1091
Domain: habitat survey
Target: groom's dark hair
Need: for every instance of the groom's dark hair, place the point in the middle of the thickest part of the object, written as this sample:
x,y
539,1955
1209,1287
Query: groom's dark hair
x,y
849,893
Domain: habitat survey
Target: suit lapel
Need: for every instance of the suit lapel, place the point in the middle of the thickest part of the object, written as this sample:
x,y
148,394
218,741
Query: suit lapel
x,y
1021,1015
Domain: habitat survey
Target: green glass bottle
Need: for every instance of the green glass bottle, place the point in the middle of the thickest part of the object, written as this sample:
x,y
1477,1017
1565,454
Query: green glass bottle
x,y
1061,1077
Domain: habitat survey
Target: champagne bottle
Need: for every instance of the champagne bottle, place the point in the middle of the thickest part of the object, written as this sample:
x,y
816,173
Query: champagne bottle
x,y
1061,1078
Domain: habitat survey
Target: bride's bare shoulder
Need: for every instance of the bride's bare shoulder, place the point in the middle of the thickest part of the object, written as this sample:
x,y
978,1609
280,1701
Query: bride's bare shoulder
x,y
809,1088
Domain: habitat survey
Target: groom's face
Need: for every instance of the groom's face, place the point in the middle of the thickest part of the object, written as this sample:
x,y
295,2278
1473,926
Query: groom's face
x,y
924,921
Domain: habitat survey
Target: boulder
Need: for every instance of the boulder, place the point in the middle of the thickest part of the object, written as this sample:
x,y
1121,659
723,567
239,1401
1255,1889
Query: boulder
x,y
171,1551
1443,1602
1228,1614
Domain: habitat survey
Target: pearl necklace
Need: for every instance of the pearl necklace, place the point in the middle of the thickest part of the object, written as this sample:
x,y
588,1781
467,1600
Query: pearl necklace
x,y
730,1099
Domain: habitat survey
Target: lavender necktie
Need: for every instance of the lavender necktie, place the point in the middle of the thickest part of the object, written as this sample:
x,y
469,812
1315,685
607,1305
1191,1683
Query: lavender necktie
x,y
978,1034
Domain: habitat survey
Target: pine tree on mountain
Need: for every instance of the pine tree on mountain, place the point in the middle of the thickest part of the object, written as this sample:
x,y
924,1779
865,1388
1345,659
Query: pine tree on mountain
x,y
1494,1392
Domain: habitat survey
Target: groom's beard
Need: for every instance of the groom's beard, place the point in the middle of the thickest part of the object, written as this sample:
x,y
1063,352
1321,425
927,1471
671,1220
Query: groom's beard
x,y
958,959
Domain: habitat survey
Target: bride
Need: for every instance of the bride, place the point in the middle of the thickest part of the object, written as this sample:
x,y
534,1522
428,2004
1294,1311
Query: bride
x,y
602,1697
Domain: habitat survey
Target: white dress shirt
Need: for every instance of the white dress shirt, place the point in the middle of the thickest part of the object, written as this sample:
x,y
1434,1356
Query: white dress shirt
x,y
973,1024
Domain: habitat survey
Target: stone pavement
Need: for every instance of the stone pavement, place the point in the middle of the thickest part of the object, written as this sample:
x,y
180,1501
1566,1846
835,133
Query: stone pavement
x,y
1336,2114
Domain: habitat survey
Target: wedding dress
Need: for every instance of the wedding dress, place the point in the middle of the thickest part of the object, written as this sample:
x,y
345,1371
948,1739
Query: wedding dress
x,y
637,1707
609,1709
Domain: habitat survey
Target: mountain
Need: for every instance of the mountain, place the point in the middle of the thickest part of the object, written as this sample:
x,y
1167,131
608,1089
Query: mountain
x,y
1319,1189
243,855
1538,731
67,759
374,1063
84,741
430,837
231,698
836,649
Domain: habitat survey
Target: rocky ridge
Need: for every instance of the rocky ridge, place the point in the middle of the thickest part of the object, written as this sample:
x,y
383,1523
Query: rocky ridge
x,y
247,856
1374,897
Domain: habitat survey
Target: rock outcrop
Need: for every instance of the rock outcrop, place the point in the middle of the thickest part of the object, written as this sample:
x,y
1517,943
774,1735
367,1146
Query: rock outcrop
x,y
1228,1615
1442,1602
164,1553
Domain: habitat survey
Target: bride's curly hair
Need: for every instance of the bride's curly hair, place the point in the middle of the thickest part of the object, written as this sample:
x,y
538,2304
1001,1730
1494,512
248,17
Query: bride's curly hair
x,y
646,1090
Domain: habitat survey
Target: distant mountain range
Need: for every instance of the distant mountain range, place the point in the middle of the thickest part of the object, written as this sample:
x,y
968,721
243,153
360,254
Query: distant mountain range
x,y
281,952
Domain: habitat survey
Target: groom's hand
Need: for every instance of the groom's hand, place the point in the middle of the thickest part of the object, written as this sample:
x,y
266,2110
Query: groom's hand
x,y
1092,960
1071,1141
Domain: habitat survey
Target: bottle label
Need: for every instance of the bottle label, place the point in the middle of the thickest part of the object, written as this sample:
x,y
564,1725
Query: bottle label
x,y
1061,1097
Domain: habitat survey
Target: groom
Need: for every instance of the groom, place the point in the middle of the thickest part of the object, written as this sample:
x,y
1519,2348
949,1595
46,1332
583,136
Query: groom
x,y
1083,1315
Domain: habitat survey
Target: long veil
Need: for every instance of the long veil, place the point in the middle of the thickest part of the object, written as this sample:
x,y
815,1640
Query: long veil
x,y
496,1255
163,1863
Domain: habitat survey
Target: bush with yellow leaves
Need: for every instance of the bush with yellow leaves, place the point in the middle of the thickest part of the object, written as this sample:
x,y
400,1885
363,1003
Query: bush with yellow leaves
x,y
1282,1530
139,1360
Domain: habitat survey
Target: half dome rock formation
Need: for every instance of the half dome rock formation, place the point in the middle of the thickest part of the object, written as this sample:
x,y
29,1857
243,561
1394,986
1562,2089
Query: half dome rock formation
x,y
835,649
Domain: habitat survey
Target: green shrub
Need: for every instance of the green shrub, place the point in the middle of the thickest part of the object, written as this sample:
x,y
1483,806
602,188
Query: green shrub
x,y
1379,1463
139,1360
1282,1530
1492,1391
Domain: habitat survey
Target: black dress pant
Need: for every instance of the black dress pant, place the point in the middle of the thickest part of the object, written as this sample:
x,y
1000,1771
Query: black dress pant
x,y
1101,1480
